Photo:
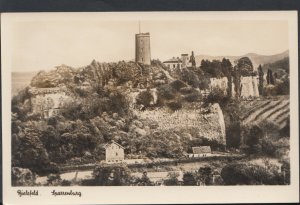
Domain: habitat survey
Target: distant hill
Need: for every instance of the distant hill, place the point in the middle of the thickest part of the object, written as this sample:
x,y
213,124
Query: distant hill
x,y
255,58
276,66
20,80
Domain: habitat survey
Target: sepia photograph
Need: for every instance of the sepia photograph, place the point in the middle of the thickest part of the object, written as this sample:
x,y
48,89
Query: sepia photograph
x,y
149,100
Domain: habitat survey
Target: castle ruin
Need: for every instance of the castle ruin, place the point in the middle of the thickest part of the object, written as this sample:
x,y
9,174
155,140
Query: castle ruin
x,y
249,86
48,101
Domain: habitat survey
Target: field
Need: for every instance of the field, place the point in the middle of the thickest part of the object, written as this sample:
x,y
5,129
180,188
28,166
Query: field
x,y
276,110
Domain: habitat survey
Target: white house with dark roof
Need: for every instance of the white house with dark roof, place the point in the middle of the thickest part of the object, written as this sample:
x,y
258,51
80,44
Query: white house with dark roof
x,y
114,152
201,151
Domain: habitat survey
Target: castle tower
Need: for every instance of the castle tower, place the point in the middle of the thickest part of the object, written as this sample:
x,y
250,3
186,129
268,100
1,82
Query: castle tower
x,y
142,48
185,60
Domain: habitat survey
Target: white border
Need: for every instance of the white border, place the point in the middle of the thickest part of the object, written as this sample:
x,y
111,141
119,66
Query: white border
x,y
154,195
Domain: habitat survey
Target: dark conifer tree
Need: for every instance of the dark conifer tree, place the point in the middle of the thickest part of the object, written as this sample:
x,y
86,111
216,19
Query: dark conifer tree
x,y
192,59
261,80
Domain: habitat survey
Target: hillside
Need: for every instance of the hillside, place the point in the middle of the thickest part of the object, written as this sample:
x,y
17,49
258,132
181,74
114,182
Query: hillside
x,y
255,58
272,110
279,66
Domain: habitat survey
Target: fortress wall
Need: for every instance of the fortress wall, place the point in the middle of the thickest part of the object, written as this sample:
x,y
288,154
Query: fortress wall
x,y
220,83
249,86
48,102
210,125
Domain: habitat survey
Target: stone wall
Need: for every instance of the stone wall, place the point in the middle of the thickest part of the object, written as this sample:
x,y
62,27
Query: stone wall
x,y
48,101
220,83
209,123
249,86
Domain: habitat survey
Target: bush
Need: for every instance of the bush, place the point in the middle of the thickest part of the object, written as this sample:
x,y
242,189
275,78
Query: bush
x,y
243,174
166,92
144,98
174,105
217,95
22,177
111,175
192,97
177,85
172,179
189,179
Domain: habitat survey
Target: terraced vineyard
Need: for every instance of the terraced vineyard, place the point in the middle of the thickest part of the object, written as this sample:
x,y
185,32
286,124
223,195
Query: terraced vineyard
x,y
275,110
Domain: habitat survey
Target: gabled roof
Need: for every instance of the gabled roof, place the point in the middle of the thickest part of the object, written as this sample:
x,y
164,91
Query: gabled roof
x,y
112,142
173,60
201,149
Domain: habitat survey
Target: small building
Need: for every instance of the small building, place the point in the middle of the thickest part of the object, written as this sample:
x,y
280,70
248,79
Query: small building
x,y
173,63
114,152
201,151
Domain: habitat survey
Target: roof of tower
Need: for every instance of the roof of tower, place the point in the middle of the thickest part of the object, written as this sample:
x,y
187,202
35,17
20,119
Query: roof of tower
x,y
142,34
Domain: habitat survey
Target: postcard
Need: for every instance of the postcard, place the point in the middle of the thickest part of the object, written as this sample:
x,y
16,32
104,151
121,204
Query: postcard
x,y
150,107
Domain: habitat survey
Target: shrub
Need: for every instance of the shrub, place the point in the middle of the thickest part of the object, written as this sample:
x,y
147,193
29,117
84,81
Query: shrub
x,y
244,174
144,98
166,92
217,95
174,105
22,177
192,97
111,175
172,179
177,85
189,179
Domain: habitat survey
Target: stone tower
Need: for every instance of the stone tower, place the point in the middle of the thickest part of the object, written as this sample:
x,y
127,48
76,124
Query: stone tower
x,y
185,60
142,48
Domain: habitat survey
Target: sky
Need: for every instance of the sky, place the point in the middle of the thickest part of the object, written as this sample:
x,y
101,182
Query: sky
x,y
44,45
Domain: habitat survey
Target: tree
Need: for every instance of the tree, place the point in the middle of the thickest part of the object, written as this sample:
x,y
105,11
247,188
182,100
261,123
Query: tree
x,y
144,180
144,98
237,82
205,175
270,79
227,70
22,177
192,60
172,179
261,80
216,96
111,175
253,136
245,66
189,179
189,77
249,174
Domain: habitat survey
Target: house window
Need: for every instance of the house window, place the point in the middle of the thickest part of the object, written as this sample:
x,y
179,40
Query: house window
x,y
116,153
173,65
